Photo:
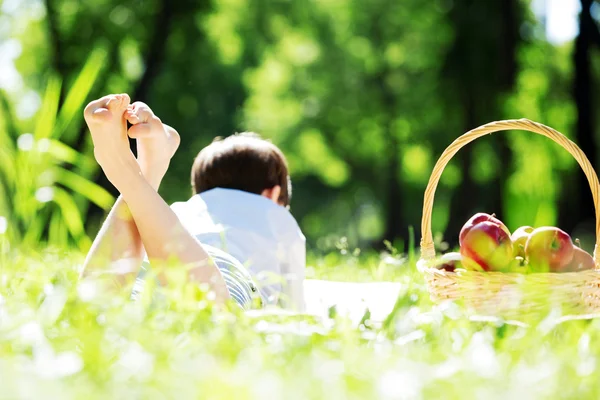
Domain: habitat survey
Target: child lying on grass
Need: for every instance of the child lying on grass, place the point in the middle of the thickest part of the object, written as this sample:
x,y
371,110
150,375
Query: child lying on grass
x,y
237,214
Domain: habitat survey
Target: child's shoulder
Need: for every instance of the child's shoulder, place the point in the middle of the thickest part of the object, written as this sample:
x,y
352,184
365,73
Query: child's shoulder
x,y
250,203
195,203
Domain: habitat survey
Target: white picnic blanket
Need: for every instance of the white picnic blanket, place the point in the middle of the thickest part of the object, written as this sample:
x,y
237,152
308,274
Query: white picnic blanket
x,y
351,298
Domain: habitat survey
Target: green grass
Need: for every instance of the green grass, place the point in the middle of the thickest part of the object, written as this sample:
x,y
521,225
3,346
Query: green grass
x,y
60,339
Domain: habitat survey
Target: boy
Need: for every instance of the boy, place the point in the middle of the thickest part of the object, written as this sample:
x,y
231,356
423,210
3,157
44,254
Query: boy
x,y
241,192
140,220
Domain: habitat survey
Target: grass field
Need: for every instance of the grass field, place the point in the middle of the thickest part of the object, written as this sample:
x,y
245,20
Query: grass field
x,y
64,340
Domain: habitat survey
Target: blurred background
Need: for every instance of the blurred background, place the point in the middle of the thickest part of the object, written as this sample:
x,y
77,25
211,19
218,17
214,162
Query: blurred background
x,y
362,96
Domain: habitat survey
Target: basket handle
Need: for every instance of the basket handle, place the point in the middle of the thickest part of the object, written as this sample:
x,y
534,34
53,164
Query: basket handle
x,y
427,245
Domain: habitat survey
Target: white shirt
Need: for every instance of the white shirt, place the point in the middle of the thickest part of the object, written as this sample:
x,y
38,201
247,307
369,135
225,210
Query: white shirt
x,y
262,235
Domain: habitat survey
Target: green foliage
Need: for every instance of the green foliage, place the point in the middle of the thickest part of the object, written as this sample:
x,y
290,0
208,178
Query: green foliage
x,y
43,179
542,94
60,339
332,88
361,96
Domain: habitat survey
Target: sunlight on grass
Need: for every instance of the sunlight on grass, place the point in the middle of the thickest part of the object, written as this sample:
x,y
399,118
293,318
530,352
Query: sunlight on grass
x,y
61,339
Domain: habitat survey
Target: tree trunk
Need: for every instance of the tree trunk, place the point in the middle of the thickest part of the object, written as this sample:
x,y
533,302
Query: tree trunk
x,y
481,83
56,46
583,210
153,62
156,50
466,197
395,227
508,73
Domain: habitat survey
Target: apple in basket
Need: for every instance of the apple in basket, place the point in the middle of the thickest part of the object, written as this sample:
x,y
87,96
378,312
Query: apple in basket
x,y
519,239
487,247
476,219
450,261
581,261
549,249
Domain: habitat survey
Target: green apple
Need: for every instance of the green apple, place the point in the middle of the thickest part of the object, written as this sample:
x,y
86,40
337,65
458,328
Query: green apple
x,y
519,239
549,249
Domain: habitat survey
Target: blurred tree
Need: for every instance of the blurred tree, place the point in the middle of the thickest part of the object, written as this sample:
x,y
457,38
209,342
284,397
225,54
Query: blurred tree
x,y
148,57
479,71
336,88
541,176
73,29
362,97
579,208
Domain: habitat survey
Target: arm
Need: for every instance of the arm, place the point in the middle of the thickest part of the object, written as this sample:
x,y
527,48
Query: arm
x,y
163,235
150,221
117,249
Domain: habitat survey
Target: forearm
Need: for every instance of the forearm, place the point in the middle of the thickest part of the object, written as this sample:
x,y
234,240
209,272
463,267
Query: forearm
x,y
164,237
118,249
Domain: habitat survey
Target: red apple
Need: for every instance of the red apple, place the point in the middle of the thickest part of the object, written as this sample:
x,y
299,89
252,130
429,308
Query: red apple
x,y
450,261
581,261
487,246
519,239
549,249
476,219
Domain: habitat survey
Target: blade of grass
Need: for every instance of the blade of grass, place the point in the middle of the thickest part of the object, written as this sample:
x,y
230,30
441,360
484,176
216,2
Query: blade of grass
x,y
71,216
93,192
46,118
78,93
35,230
66,154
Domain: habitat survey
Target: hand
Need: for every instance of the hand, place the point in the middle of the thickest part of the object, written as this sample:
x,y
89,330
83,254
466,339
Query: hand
x,y
156,142
108,127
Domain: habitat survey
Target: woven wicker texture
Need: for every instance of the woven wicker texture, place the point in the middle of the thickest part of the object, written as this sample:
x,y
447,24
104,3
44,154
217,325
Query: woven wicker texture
x,y
511,294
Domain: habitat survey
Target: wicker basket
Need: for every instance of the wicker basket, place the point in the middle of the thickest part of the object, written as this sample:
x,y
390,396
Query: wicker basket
x,y
511,295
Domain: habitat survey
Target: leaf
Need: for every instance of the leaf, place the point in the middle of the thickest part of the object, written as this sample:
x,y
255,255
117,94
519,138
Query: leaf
x,y
66,154
78,93
85,187
33,235
46,117
71,216
58,234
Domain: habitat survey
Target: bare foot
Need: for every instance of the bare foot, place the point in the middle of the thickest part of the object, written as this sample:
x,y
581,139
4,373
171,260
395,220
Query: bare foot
x,y
108,111
156,142
105,118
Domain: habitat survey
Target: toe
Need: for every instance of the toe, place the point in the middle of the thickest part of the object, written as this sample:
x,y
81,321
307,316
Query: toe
x,y
143,112
126,99
138,131
96,107
132,118
118,103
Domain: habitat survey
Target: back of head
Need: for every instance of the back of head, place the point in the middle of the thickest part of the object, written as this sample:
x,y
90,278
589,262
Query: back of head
x,y
242,161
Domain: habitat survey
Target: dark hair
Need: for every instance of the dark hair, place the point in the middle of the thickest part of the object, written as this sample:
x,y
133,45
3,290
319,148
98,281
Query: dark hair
x,y
242,161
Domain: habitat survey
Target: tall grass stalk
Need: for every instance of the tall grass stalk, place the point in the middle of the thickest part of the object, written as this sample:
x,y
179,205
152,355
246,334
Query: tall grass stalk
x,y
42,178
